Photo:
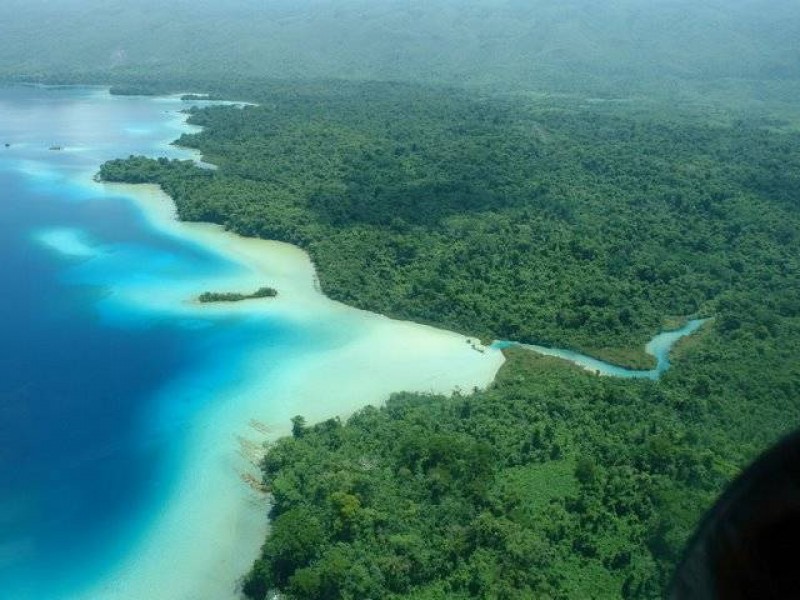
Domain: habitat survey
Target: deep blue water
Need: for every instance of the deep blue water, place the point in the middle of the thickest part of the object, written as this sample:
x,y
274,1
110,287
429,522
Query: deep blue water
x,y
82,463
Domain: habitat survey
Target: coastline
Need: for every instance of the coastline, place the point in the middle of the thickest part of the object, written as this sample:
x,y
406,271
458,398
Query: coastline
x,y
203,536
208,534
216,518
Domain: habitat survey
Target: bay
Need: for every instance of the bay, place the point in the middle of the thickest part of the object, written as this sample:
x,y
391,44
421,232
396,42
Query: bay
x,y
131,415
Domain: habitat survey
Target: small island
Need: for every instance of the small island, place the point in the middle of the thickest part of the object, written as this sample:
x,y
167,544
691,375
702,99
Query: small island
x,y
264,292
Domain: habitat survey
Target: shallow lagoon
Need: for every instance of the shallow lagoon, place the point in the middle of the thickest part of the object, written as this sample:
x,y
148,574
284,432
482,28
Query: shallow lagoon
x,y
128,412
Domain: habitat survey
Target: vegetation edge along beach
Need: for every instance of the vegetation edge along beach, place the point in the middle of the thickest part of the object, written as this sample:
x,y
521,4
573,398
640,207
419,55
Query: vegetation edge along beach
x,y
553,481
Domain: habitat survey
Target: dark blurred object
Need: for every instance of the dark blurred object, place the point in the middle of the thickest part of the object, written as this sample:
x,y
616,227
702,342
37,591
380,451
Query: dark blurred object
x,y
748,546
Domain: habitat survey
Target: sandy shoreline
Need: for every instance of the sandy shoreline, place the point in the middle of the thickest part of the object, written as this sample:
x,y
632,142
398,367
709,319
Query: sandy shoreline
x,y
209,532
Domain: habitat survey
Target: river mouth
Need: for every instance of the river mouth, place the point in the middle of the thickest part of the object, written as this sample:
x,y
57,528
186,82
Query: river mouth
x,y
659,348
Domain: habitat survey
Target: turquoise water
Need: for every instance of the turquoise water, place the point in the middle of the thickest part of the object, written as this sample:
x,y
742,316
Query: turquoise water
x,y
659,347
89,444
106,375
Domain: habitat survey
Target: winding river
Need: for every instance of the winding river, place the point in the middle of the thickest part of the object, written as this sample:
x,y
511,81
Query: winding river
x,y
659,348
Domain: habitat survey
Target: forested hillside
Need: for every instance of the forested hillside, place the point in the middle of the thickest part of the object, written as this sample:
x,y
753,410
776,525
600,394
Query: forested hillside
x,y
566,223
722,50
558,224
551,484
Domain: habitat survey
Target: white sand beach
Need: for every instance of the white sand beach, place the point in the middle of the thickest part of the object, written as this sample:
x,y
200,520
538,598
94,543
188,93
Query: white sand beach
x,y
211,528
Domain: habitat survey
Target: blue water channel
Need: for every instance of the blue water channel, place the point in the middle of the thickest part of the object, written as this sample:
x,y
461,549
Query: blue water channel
x,y
659,348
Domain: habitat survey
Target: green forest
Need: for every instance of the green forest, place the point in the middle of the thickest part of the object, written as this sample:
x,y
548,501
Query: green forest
x,y
557,221
714,51
542,222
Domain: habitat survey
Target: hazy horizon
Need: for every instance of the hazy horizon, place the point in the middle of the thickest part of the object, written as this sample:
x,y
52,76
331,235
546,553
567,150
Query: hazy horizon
x,y
624,46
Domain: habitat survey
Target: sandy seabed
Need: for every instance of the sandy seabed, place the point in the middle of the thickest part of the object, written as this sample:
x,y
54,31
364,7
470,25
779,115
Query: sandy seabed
x,y
211,528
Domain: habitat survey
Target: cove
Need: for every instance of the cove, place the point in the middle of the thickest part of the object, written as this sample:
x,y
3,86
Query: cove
x,y
659,347
131,415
